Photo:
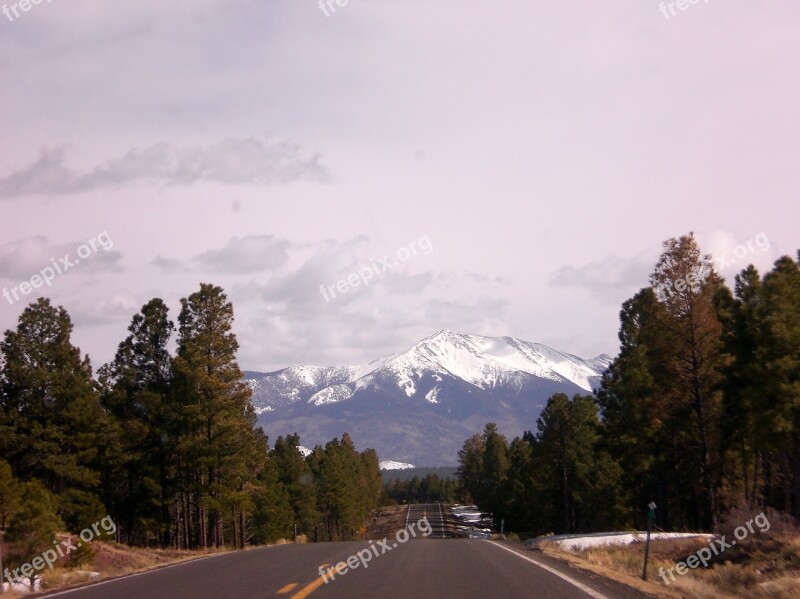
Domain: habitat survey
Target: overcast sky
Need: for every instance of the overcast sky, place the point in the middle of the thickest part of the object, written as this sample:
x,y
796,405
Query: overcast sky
x,y
535,153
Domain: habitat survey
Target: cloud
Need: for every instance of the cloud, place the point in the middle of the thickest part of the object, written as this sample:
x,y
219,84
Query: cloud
x,y
611,280
255,253
166,265
117,308
26,257
248,161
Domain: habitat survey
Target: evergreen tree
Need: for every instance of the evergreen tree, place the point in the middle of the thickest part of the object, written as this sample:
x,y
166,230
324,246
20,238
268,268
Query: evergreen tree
x,y
470,467
297,479
693,360
138,479
33,527
273,517
9,493
216,417
494,467
778,408
51,413
744,377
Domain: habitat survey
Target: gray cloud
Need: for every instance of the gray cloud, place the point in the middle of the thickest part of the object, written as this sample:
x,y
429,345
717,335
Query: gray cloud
x,y
167,265
611,280
118,308
232,161
24,258
255,253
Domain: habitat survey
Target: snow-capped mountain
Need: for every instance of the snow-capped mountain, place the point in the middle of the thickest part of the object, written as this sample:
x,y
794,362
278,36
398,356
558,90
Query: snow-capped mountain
x,y
419,406
392,465
296,383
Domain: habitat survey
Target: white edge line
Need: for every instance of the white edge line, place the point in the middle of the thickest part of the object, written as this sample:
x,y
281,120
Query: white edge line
x,y
588,590
85,587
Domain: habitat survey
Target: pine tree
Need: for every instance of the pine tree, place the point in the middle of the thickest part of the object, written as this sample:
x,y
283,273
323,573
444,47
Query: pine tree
x,y
693,359
9,493
51,412
470,466
273,516
638,429
33,527
494,467
216,417
296,477
744,374
138,479
779,355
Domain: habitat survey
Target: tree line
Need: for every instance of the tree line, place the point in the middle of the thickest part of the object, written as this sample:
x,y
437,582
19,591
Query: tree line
x,y
167,445
699,412
430,488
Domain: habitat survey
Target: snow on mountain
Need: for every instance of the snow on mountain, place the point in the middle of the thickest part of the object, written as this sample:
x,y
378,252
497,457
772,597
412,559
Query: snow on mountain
x,y
487,361
419,405
484,362
296,383
392,465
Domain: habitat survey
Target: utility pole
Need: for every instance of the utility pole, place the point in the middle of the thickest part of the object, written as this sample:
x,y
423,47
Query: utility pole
x,y
651,515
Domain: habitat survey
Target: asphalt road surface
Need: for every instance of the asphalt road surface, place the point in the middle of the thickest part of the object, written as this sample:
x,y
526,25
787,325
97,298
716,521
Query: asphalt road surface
x,y
432,566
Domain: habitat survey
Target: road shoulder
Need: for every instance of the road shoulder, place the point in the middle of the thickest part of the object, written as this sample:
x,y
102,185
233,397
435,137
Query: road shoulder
x,y
614,585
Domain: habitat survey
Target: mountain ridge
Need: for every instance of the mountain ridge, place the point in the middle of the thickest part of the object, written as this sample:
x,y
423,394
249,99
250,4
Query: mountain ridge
x,y
419,405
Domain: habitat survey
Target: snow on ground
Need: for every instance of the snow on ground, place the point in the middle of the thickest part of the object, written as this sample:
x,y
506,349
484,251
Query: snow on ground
x,y
392,465
620,539
23,588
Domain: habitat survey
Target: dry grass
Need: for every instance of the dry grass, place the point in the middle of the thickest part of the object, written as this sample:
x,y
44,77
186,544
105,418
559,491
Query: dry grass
x,y
113,560
762,566
386,521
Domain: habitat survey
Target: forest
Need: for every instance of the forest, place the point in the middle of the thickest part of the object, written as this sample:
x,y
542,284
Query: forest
x,y
166,445
699,413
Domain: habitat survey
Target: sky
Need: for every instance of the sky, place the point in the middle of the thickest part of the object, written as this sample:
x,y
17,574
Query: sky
x,y
359,176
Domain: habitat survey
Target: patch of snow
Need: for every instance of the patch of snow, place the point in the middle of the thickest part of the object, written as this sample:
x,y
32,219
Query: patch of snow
x,y
392,465
431,395
578,543
329,395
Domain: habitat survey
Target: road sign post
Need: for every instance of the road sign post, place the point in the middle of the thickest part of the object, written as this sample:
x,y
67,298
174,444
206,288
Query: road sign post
x,y
651,515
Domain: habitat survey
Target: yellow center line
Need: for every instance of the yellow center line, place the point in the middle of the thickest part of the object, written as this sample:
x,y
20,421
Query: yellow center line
x,y
313,586
287,588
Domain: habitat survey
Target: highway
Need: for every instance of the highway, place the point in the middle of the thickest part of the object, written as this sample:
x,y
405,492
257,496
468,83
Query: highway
x,y
409,564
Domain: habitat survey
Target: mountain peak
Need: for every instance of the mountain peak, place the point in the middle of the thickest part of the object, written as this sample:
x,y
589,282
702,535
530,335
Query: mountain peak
x,y
419,405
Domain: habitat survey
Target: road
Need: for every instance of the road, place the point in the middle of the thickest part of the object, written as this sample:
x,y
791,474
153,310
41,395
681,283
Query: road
x,y
420,567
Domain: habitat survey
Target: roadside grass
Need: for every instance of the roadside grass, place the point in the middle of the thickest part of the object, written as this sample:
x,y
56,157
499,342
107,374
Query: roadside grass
x,y
761,566
114,559
110,560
